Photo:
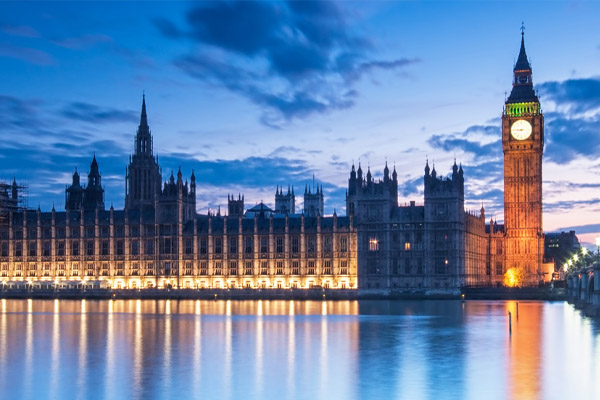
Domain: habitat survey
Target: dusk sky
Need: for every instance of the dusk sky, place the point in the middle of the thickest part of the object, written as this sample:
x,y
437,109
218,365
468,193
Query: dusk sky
x,y
252,95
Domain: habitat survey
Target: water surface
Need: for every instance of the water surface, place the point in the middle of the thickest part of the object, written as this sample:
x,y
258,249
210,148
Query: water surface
x,y
63,349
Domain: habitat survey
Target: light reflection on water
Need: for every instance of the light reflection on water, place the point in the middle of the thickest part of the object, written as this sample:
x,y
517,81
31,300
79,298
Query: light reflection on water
x,y
296,350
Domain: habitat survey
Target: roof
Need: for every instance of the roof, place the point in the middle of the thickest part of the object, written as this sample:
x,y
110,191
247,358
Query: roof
x,y
522,61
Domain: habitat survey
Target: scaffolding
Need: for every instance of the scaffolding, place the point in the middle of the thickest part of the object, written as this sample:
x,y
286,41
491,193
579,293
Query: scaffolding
x,y
13,197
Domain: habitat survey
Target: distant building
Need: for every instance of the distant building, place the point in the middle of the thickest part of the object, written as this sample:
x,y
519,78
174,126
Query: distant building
x,y
559,247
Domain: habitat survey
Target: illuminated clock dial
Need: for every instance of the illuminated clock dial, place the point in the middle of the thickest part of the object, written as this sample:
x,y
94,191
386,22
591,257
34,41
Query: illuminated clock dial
x,y
521,129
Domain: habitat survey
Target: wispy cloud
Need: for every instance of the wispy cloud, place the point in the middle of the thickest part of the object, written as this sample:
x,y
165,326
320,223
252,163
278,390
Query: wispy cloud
x,y
19,30
293,59
27,54
96,114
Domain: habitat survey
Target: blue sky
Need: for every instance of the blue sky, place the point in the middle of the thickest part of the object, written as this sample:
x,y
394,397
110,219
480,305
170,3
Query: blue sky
x,y
254,95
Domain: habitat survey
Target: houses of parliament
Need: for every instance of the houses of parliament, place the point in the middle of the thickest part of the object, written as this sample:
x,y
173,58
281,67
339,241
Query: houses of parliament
x,y
160,240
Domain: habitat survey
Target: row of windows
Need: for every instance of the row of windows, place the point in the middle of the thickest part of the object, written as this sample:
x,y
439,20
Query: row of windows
x,y
168,268
168,245
88,231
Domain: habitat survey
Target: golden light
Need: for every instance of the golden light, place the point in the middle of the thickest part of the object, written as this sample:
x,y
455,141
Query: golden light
x,y
513,277
598,241
584,250
566,267
575,258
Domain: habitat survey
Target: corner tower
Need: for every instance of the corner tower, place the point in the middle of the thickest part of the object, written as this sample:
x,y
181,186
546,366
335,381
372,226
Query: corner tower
x,y
143,179
523,146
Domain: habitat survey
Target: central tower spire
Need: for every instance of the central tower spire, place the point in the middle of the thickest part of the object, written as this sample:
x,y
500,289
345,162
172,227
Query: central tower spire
x,y
143,177
143,139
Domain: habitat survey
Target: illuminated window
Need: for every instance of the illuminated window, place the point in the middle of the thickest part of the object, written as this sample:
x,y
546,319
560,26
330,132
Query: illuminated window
x,y
204,268
407,246
344,267
264,268
295,268
233,268
279,268
373,244
248,268
311,268
327,267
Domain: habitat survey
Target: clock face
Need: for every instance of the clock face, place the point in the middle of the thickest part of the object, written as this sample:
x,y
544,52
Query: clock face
x,y
521,129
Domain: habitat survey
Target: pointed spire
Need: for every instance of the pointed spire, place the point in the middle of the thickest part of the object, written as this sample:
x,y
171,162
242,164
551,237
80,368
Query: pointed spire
x,y
94,164
427,169
394,174
143,116
522,61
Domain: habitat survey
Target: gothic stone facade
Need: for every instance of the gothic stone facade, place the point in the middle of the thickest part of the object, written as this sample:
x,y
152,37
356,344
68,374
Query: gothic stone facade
x,y
435,246
159,239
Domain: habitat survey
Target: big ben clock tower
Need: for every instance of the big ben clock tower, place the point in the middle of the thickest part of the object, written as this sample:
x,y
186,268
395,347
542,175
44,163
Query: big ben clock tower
x,y
523,145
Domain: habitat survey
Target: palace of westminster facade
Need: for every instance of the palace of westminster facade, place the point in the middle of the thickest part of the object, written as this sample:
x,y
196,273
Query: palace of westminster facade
x,y
159,240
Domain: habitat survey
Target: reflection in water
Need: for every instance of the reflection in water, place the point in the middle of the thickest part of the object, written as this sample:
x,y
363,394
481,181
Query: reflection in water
x,y
55,357
137,349
524,350
82,367
295,350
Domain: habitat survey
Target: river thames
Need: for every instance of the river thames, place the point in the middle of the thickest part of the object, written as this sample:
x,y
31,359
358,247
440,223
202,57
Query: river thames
x,y
134,349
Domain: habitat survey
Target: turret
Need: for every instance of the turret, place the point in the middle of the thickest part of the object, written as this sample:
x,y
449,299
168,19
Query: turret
x,y
93,194
359,174
386,173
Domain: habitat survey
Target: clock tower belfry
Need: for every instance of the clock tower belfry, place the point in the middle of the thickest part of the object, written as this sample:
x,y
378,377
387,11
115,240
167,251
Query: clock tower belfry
x,y
523,146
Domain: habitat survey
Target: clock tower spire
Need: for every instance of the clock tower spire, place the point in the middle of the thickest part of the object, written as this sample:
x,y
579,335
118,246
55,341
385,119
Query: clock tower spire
x,y
523,146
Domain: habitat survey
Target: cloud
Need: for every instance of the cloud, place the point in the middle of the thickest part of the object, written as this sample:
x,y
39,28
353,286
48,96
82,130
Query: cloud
x,y
96,114
29,55
293,59
572,95
19,30
482,141
82,42
568,138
